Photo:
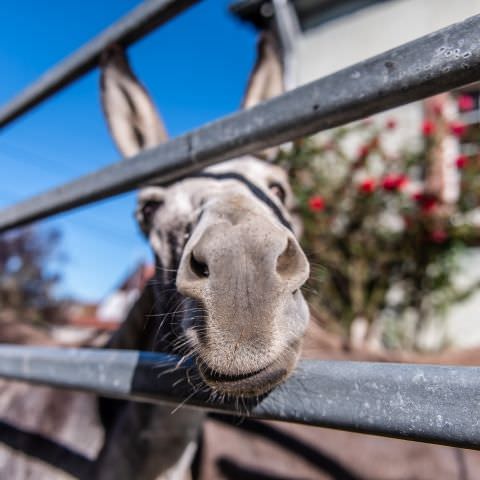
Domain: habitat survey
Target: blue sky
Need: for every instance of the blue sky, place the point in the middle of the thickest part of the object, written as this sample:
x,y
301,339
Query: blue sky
x,y
195,67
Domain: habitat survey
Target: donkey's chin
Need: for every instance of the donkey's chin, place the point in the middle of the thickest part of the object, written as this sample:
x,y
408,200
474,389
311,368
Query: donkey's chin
x,y
254,383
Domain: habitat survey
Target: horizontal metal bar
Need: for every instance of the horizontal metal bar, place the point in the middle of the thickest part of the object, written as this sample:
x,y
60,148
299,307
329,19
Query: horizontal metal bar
x,y
133,26
429,403
437,62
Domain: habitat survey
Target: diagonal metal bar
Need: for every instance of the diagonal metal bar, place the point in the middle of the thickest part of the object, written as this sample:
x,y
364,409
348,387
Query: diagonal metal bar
x,y
136,24
443,60
437,404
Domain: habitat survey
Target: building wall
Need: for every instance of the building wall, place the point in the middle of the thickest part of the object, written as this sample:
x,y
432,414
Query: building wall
x,y
372,30
339,43
350,39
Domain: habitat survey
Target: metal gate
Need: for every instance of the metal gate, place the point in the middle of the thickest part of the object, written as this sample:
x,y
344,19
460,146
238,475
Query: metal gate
x,y
418,402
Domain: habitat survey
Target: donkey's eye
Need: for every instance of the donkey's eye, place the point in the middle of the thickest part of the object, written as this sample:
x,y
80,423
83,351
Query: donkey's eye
x,y
278,191
149,208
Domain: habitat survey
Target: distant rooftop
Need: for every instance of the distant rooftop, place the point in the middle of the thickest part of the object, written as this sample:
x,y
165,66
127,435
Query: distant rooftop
x,y
310,13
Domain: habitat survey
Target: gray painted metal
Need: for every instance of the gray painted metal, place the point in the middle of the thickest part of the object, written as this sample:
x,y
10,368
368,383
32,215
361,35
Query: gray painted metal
x,y
429,403
443,60
140,21
288,30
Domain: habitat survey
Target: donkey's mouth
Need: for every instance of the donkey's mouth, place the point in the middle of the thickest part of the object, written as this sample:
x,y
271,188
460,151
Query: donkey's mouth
x,y
250,384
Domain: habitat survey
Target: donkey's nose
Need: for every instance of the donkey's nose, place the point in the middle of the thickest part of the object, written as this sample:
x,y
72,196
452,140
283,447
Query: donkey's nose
x,y
238,257
198,268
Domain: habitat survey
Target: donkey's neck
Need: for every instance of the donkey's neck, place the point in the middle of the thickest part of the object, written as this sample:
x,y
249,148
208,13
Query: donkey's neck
x,y
146,441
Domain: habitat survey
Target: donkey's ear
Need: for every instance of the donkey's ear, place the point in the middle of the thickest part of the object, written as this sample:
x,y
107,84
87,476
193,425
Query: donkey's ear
x,y
131,116
266,79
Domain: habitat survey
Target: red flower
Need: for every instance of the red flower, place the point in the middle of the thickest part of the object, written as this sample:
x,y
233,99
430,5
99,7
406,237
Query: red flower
x,y
438,236
465,103
394,181
363,151
417,196
391,124
461,161
458,128
426,201
428,128
316,203
368,185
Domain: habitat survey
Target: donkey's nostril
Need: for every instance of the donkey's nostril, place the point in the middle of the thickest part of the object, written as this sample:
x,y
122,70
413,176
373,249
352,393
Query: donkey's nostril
x,y
287,262
199,268
292,266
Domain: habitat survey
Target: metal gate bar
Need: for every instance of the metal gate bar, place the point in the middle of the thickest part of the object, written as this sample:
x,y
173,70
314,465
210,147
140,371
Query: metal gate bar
x,y
437,404
136,24
440,61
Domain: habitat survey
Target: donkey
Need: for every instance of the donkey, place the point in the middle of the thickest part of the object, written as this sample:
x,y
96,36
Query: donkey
x,y
226,290
229,270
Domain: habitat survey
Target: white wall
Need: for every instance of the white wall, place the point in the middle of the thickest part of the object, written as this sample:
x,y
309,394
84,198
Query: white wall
x,y
372,30
368,32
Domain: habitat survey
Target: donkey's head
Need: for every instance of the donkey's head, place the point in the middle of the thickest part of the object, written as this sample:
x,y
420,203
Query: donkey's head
x,y
229,265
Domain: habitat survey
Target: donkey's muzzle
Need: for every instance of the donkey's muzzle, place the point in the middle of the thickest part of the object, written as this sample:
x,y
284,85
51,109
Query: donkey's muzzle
x,y
246,270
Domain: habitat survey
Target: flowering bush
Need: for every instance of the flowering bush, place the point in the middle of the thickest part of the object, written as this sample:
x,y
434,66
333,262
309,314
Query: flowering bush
x,y
383,240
